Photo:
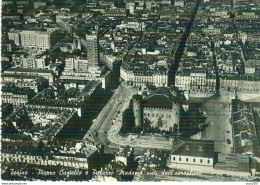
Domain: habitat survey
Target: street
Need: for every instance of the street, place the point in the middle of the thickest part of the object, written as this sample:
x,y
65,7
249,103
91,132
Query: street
x,y
99,131
219,115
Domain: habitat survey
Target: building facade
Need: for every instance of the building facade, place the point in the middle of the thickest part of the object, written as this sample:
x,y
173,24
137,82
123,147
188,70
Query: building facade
x,y
247,84
82,157
15,36
15,98
35,83
193,153
93,49
32,72
34,62
94,75
202,82
143,78
76,64
161,109
34,39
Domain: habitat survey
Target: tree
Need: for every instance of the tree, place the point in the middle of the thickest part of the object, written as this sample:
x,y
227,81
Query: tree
x,y
128,121
160,122
175,129
147,122
192,121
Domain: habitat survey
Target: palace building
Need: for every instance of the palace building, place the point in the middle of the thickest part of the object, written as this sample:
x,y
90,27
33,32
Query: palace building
x,y
162,108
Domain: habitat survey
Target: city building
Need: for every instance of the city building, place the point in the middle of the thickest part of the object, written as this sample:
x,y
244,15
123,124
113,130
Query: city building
x,y
211,29
193,153
93,49
34,39
76,64
36,83
34,62
62,109
178,63
15,36
249,84
250,14
41,40
193,80
32,72
125,155
142,78
96,74
162,108
179,3
16,95
112,62
39,4
67,94
132,23
118,13
77,154
244,128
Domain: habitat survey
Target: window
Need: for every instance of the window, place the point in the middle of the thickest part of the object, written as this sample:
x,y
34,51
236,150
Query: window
x,y
208,161
201,161
187,160
173,158
194,160
180,159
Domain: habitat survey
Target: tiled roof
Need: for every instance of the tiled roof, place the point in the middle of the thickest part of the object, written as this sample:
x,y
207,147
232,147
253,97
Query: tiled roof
x,y
196,148
158,101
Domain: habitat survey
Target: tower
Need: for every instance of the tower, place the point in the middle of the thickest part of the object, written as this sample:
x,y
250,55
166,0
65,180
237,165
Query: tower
x,y
176,107
175,114
93,48
137,108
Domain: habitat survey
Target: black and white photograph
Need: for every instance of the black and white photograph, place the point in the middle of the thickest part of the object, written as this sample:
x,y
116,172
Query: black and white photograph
x,y
130,91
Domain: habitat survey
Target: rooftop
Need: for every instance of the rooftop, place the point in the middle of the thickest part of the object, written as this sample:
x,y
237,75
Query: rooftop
x,y
196,148
27,70
56,95
158,101
160,98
